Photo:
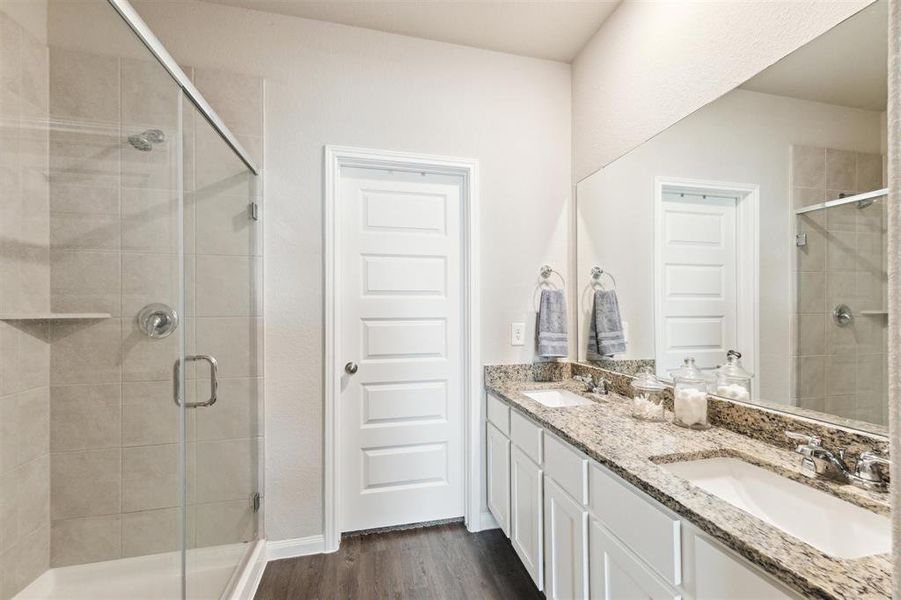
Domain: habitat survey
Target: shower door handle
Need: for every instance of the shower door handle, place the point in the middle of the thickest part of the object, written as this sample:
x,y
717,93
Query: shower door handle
x,y
214,380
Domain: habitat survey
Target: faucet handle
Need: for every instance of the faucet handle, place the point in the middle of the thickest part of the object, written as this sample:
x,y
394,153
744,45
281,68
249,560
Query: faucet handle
x,y
866,467
809,440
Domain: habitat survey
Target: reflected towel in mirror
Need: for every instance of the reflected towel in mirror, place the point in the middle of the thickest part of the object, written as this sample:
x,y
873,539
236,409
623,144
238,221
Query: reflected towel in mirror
x,y
552,337
606,336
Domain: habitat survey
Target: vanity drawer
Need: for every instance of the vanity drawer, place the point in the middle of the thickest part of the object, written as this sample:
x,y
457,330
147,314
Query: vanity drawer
x,y
567,467
527,436
649,530
499,414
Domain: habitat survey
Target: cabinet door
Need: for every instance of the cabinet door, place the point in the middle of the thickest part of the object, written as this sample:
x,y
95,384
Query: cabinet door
x,y
498,451
526,510
565,545
615,574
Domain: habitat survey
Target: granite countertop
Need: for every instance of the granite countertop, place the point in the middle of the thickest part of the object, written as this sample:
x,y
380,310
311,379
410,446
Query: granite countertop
x,y
606,432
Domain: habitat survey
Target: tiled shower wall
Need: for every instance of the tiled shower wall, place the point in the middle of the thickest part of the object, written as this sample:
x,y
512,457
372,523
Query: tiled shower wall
x,y
840,370
24,288
114,235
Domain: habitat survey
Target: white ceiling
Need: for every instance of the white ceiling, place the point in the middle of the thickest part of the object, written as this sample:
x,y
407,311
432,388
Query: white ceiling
x,y
551,29
846,66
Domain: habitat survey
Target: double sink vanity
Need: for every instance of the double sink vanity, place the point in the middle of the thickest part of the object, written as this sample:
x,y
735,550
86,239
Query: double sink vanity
x,y
598,504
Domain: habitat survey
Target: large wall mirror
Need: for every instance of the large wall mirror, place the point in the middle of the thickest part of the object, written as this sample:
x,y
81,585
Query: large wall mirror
x,y
756,224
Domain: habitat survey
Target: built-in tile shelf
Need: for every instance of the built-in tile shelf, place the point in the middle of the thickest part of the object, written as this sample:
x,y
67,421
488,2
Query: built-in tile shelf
x,y
52,316
874,312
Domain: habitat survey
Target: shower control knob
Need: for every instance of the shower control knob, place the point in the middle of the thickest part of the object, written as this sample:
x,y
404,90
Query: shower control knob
x,y
157,320
350,368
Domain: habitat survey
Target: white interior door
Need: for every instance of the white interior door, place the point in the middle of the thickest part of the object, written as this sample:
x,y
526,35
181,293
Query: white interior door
x,y
696,279
401,411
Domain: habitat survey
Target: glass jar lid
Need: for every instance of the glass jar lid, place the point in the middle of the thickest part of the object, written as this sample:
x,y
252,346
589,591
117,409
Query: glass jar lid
x,y
733,369
647,381
689,372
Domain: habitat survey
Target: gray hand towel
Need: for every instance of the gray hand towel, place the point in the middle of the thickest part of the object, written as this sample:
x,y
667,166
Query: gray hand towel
x,y
605,337
552,338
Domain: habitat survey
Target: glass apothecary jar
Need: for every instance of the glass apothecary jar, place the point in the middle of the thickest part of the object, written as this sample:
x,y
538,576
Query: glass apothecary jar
x,y
732,380
690,386
647,397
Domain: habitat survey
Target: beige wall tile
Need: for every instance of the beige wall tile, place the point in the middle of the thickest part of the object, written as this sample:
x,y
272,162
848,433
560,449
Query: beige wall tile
x,y
151,532
85,281
871,372
842,340
84,199
869,172
9,434
150,220
238,99
812,256
841,251
149,95
157,169
841,375
226,470
150,415
811,335
842,218
151,359
27,560
86,232
33,496
86,352
33,421
236,413
150,477
236,342
85,417
811,292
841,170
80,541
149,278
85,158
85,483
223,225
84,86
228,286
871,219
811,374
24,356
809,166
218,169
9,516
225,523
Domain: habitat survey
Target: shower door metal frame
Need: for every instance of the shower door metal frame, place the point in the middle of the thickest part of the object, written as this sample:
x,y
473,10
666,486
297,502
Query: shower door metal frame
x,y
137,24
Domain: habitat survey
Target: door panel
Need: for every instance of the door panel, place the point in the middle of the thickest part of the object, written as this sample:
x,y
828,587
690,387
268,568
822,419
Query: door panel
x,y
527,514
498,453
697,270
401,422
565,544
615,574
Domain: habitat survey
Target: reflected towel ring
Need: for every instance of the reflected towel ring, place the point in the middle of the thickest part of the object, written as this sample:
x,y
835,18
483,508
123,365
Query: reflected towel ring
x,y
546,272
597,273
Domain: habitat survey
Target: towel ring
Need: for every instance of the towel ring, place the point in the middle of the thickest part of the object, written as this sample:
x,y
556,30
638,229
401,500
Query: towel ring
x,y
597,273
546,272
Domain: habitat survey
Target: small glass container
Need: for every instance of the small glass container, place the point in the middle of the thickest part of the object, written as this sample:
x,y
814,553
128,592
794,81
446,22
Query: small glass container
x,y
690,395
732,380
647,397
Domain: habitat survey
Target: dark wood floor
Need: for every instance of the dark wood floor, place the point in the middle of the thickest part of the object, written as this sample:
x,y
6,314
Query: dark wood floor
x,y
440,562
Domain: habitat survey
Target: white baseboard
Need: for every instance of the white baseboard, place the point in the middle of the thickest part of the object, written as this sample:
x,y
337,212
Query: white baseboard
x,y
486,522
277,549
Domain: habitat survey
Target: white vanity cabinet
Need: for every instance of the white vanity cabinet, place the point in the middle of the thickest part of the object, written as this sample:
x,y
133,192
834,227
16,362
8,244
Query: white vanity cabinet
x,y
582,532
527,513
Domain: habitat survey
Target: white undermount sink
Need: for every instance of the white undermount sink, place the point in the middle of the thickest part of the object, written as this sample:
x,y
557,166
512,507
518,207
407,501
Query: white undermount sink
x,y
837,528
557,398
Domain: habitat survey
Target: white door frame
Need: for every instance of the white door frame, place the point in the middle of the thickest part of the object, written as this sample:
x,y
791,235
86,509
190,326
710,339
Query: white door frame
x,y
747,246
337,157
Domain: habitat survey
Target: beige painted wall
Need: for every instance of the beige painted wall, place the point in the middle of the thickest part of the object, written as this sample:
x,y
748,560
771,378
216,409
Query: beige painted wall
x,y
653,63
331,84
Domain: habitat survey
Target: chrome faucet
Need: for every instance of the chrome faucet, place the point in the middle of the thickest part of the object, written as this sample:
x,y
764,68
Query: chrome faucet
x,y
817,461
593,386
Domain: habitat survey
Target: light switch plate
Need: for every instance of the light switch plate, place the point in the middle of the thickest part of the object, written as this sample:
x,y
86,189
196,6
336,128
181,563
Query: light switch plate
x,y
517,334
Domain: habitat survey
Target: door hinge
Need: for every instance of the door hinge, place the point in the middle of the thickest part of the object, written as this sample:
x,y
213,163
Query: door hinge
x,y
801,239
255,501
254,211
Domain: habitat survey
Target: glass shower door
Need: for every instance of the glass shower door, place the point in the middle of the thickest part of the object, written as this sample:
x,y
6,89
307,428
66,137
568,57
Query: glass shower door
x,y
224,316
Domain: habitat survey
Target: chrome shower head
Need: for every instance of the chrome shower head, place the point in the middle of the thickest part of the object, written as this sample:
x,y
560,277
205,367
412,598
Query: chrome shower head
x,y
145,140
